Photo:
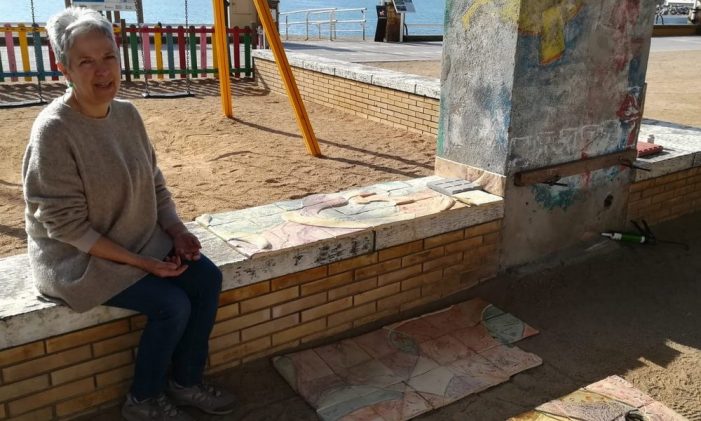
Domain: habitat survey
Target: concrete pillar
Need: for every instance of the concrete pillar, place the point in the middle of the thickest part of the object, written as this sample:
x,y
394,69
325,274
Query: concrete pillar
x,y
532,83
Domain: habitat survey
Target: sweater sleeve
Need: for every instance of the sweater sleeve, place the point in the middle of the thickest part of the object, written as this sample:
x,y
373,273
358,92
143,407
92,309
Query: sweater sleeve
x,y
54,190
167,215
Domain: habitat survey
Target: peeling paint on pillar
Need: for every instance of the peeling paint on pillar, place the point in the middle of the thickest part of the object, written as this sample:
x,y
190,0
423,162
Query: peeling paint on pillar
x,y
477,82
532,83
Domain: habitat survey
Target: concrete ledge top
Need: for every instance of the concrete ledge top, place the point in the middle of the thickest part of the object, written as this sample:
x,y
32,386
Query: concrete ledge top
x,y
682,148
412,84
261,243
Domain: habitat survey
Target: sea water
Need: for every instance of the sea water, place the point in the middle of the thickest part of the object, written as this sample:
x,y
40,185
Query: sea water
x,y
200,12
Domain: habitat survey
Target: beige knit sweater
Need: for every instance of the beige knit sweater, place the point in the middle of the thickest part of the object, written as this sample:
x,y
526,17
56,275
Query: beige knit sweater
x,y
86,177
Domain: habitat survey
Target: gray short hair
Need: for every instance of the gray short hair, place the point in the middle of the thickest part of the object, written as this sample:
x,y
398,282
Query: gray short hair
x,y
66,25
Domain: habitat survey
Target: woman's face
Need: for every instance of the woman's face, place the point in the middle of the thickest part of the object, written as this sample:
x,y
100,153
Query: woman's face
x,y
94,69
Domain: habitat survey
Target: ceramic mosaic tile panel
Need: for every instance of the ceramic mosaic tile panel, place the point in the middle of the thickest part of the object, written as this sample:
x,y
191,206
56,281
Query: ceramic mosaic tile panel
x,y
411,367
610,399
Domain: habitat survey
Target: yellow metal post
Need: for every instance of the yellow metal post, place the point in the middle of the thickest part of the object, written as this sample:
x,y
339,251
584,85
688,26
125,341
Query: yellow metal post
x,y
220,45
287,77
158,42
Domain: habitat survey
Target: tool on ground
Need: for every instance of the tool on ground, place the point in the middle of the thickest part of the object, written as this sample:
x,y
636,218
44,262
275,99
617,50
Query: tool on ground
x,y
644,236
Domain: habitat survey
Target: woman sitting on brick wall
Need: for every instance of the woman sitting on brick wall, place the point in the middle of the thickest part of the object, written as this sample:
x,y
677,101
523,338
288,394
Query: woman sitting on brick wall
x,y
103,228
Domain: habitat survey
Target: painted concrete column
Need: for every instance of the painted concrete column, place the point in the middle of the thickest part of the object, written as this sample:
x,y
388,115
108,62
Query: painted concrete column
x,y
532,83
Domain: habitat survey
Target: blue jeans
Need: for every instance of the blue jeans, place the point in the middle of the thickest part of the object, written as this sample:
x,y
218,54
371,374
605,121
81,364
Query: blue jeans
x,y
181,313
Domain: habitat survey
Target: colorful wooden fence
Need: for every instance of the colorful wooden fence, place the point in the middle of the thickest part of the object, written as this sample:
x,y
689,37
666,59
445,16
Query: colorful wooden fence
x,y
141,47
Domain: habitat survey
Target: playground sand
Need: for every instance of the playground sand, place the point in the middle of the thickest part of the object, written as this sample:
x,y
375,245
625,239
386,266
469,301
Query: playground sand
x,y
673,92
214,164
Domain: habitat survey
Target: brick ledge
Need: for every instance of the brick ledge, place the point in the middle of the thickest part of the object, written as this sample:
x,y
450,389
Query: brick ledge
x,y
24,318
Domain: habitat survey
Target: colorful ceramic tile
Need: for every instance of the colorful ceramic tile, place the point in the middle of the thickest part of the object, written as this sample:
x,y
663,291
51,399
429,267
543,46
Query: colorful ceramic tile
x,y
586,405
481,372
339,403
445,350
452,318
367,204
312,204
256,212
406,365
371,373
508,329
434,382
610,399
289,205
416,329
425,207
472,311
267,222
477,338
407,368
318,390
410,405
245,237
658,412
392,185
341,355
617,388
511,360
363,414
378,343
491,311
301,367
442,386
290,235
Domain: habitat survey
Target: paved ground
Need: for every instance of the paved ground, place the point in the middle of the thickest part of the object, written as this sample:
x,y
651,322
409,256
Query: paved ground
x,y
369,51
631,310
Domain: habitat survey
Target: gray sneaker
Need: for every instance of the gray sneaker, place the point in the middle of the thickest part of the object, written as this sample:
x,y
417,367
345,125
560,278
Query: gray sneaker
x,y
153,409
205,397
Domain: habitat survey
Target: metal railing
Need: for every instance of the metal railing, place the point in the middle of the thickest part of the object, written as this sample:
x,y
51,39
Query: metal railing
x,y
324,20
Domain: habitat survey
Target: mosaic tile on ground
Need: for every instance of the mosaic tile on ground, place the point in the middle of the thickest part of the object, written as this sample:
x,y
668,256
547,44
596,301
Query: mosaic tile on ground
x,y
411,367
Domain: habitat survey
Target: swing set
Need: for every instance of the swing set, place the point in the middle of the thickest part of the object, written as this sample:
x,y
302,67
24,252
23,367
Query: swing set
x,y
36,38
221,55
146,49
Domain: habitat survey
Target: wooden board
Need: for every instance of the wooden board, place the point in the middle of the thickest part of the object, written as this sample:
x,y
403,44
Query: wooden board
x,y
555,172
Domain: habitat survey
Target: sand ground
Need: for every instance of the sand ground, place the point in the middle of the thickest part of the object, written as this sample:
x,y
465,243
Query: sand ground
x,y
632,312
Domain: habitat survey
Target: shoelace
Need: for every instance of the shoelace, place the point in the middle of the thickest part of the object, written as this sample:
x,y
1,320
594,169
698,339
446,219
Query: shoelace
x,y
210,390
167,407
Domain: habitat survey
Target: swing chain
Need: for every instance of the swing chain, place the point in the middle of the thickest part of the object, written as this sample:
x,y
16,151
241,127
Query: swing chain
x,y
34,28
187,53
141,49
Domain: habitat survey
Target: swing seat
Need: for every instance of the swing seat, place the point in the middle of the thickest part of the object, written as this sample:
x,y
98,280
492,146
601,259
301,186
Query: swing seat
x,y
167,95
21,104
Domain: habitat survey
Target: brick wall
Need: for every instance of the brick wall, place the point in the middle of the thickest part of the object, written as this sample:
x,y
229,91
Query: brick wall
x,y
84,371
402,110
667,197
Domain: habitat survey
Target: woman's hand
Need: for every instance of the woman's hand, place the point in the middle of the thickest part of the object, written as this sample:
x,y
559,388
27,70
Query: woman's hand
x,y
186,246
170,267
